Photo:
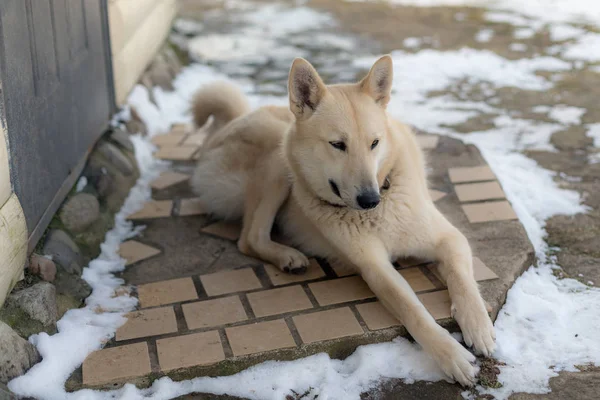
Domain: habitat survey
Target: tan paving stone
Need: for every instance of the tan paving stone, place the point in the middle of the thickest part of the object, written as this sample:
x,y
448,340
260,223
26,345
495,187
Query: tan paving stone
x,y
116,364
230,281
167,179
154,209
279,277
436,195
224,230
479,191
376,316
133,251
340,290
152,322
196,139
279,301
325,325
204,314
481,271
428,142
166,292
176,153
189,350
189,207
342,270
180,128
259,337
169,139
417,279
471,174
437,303
489,211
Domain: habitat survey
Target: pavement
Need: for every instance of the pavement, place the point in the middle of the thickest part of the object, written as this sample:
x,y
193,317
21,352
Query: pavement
x,y
205,309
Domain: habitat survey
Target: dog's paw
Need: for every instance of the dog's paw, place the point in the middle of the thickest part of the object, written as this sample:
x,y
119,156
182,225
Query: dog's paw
x,y
454,359
292,261
475,324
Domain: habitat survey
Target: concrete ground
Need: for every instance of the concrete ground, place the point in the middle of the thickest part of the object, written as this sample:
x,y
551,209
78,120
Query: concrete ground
x,y
502,245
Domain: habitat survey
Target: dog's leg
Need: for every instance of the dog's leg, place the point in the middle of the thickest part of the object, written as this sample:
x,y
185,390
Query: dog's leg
x,y
263,199
397,296
468,308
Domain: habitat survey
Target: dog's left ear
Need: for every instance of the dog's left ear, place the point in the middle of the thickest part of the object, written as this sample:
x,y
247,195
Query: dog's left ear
x,y
378,83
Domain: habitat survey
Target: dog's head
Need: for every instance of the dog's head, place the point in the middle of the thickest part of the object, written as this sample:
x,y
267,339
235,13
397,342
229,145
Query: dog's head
x,y
340,147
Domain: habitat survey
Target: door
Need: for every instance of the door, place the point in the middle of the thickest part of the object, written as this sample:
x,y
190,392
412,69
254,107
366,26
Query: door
x,y
55,80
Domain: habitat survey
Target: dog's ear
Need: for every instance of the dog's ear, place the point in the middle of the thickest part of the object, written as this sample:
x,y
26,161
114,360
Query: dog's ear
x,y
378,83
305,87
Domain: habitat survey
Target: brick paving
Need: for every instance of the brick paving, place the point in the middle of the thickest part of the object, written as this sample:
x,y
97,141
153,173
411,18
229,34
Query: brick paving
x,y
202,317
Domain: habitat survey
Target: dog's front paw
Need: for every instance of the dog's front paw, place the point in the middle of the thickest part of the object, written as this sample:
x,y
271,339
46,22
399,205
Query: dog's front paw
x,y
475,324
454,359
292,261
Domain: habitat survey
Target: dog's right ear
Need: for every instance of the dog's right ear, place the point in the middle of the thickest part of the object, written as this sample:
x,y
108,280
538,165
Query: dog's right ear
x,y
306,89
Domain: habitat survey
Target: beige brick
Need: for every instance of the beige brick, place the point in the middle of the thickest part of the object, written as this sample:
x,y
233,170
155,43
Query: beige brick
x,y
189,207
279,301
133,251
341,269
169,139
436,195
116,364
437,303
479,191
259,337
279,277
230,281
168,178
189,351
417,279
176,153
166,292
340,290
225,230
204,314
481,272
489,211
154,209
376,316
471,174
428,142
152,322
196,139
325,325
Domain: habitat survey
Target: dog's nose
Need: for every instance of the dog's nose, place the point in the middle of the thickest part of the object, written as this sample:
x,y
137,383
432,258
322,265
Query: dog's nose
x,y
368,199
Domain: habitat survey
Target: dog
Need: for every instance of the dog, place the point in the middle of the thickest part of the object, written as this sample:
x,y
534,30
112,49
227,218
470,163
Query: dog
x,y
340,180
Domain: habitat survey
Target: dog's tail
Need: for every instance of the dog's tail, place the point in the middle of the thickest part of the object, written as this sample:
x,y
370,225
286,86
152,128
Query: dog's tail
x,y
223,100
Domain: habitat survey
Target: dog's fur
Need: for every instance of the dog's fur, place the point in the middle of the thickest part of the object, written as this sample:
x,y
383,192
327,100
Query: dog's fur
x,y
305,168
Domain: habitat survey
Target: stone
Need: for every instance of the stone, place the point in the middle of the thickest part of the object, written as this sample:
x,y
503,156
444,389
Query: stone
x,y
43,267
64,252
104,184
38,301
71,285
121,137
160,74
135,124
79,212
116,158
17,355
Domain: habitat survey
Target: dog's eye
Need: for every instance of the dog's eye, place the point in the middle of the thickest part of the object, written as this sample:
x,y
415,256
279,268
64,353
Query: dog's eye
x,y
339,145
374,144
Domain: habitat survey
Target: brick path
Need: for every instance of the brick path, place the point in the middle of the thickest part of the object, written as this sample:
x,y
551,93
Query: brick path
x,y
203,306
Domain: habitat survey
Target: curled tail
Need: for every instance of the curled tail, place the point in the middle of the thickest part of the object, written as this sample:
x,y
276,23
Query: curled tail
x,y
223,100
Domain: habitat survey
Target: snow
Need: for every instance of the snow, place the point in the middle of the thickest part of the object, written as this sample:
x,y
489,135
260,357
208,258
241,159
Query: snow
x,y
594,133
566,115
520,47
484,35
524,33
561,32
412,42
81,184
587,48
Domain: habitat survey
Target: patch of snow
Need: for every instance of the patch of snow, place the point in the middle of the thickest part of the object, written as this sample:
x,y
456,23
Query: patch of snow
x,y
594,133
524,33
81,184
562,32
188,26
520,47
566,115
484,35
587,48
412,42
